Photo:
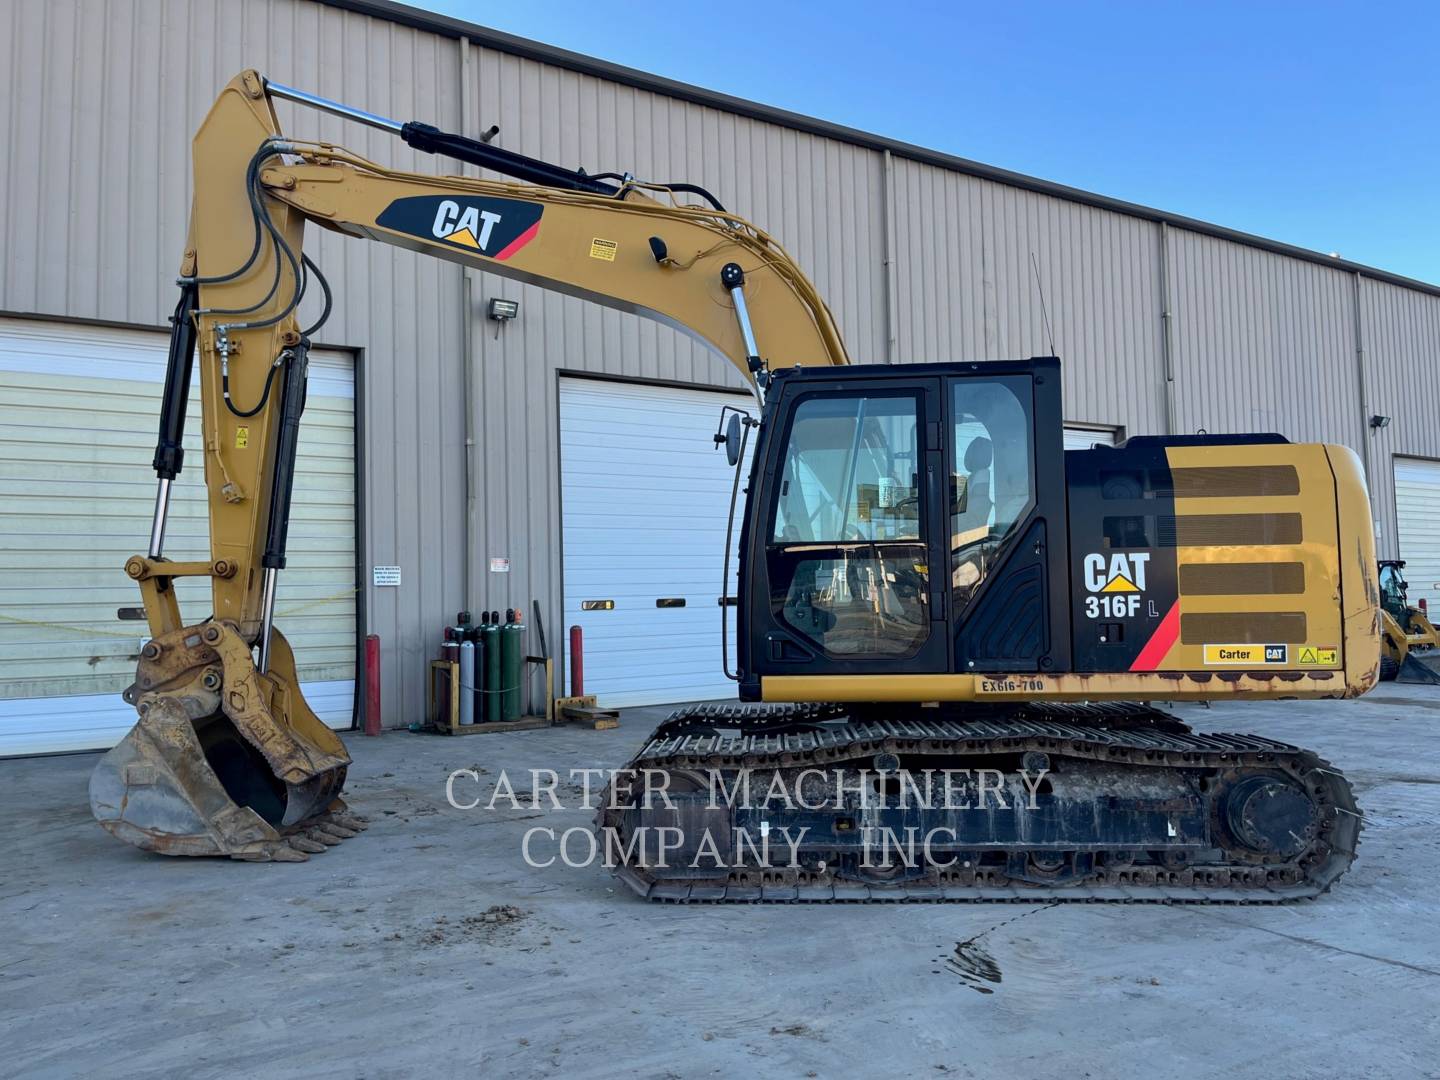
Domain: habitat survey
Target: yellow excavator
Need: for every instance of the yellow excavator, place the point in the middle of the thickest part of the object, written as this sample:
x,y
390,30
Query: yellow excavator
x,y
931,589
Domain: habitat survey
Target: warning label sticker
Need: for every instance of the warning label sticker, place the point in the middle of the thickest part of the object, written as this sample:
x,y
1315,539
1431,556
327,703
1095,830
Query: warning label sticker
x,y
242,438
1319,657
1247,655
603,249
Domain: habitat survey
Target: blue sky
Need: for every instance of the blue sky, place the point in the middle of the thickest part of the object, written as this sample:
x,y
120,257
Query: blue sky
x,y
1315,124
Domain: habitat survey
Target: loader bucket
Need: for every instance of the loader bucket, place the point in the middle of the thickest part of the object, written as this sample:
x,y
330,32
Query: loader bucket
x,y
1420,667
223,761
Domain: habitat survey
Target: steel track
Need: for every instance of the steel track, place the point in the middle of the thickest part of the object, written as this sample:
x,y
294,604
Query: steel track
x,y
737,737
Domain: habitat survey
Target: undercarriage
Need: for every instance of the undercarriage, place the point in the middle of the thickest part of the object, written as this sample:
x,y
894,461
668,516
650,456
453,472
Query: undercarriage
x,y
1064,802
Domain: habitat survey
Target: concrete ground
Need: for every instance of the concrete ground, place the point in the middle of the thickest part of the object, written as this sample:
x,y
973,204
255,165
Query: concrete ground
x,y
369,960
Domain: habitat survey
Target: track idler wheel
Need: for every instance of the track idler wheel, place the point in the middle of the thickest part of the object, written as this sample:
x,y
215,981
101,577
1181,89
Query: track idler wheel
x,y
1271,816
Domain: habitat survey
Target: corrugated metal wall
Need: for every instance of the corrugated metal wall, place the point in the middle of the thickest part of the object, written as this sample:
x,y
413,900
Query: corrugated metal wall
x,y
1262,343
918,262
1400,332
102,99
982,266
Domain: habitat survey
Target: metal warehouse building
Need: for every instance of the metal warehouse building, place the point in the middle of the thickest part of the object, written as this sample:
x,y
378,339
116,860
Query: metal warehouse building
x,y
564,455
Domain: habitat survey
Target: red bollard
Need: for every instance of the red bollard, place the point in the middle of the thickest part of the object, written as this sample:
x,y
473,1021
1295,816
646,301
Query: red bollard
x,y
577,662
372,684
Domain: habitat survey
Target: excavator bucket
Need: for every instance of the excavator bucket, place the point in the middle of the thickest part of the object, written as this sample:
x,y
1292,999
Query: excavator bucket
x,y
1420,667
224,760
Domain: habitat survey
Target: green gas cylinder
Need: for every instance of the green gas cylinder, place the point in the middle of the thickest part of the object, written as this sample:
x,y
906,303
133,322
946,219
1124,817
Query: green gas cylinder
x,y
512,662
490,636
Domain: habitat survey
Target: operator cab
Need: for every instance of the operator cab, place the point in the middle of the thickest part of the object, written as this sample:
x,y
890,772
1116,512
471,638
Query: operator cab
x,y
904,523
1394,588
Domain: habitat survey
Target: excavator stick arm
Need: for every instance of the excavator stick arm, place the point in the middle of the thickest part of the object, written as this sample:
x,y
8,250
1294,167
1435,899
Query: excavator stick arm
x,y
227,758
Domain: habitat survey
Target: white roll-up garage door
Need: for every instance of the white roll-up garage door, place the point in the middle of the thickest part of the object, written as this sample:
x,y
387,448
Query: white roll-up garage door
x,y
1417,517
1083,438
78,411
644,493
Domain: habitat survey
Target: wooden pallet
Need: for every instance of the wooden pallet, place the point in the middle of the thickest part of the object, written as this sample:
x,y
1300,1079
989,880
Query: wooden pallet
x,y
583,711
448,671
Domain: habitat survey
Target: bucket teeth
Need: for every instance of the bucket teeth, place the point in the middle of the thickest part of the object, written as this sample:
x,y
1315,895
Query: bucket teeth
x,y
298,843
346,820
278,852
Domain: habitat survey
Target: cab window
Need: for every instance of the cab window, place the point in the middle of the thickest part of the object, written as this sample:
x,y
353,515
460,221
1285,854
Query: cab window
x,y
850,471
847,555
993,486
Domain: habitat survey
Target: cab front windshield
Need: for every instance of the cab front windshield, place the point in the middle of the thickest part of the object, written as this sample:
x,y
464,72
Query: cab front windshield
x,y
847,555
850,472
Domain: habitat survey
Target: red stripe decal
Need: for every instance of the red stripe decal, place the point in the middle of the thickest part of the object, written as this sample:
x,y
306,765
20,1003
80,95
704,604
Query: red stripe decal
x,y
518,243
1160,642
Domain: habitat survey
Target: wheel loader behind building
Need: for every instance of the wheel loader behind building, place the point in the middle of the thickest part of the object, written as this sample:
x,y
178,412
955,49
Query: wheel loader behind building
x,y
1409,642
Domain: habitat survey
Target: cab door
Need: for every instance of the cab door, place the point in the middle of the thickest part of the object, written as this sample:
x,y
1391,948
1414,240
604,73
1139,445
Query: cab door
x,y
845,546
1006,532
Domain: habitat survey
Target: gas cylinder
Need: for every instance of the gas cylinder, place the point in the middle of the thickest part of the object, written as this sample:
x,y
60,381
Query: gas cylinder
x,y
477,695
456,633
449,652
466,681
511,664
490,642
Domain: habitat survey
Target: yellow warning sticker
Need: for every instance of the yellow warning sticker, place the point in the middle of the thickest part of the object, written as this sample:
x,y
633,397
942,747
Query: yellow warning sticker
x,y
1247,655
603,249
242,438
1319,657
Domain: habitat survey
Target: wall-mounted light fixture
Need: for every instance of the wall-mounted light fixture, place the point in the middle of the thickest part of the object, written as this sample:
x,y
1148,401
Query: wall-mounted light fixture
x,y
1377,422
504,310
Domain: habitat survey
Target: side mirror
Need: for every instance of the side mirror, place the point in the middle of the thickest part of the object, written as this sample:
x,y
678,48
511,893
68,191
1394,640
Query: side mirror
x,y
732,440
730,432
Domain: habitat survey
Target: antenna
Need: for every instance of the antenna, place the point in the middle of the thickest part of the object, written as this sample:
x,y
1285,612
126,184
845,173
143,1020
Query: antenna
x,y
1044,314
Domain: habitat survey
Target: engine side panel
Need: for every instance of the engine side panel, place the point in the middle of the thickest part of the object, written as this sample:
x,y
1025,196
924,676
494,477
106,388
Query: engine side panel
x,y
1203,555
